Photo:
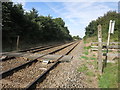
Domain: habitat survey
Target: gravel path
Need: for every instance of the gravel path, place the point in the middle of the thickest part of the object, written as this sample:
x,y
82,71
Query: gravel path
x,y
65,75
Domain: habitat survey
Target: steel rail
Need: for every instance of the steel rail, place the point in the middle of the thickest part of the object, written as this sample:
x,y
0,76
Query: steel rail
x,y
32,49
5,59
41,48
11,71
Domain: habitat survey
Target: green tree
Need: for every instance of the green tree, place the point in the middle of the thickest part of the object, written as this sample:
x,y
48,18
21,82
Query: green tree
x,y
30,26
91,29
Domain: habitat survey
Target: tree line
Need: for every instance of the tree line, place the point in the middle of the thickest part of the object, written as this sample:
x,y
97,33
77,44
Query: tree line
x,y
77,37
30,26
91,29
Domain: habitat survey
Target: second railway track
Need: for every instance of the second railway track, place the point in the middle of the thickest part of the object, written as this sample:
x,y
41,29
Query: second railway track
x,y
24,77
22,52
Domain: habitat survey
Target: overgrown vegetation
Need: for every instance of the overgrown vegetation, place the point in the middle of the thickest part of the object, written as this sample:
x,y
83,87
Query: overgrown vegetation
x,y
90,59
86,48
91,29
90,73
109,78
83,68
86,52
30,26
84,57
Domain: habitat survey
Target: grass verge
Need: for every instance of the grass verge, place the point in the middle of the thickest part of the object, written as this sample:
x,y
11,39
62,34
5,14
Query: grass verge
x,y
83,68
86,48
84,57
86,52
90,73
109,78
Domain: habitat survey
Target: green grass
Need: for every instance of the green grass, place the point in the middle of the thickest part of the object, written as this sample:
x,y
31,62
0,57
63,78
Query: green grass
x,y
84,57
95,64
83,68
109,78
118,51
109,50
86,52
85,42
90,73
106,50
86,48
89,80
92,58
94,55
89,62
119,71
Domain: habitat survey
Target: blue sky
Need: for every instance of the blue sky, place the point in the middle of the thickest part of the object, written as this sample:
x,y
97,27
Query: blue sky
x,y
76,15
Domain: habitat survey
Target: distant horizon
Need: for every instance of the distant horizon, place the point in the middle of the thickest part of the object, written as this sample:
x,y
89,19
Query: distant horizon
x,y
76,15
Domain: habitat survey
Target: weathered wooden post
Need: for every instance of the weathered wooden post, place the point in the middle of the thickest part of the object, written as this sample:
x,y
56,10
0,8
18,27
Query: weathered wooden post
x,y
17,47
0,28
100,48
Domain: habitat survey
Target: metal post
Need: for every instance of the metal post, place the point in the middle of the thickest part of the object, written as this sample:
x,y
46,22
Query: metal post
x,y
17,43
110,26
100,48
111,30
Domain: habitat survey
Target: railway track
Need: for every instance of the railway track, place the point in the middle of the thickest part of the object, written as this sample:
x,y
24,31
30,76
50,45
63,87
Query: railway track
x,y
9,64
30,71
43,75
9,56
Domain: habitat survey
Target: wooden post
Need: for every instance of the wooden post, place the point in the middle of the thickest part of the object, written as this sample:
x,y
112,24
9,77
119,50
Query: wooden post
x,y
0,28
17,43
100,48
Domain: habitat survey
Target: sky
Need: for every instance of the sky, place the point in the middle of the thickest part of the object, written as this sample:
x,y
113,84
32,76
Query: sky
x,y
77,15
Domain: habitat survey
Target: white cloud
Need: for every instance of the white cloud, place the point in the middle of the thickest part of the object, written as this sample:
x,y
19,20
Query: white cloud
x,y
84,11
79,14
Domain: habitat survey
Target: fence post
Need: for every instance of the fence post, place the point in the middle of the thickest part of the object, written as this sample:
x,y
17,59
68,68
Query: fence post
x,y
0,16
0,28
100,48
17,43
